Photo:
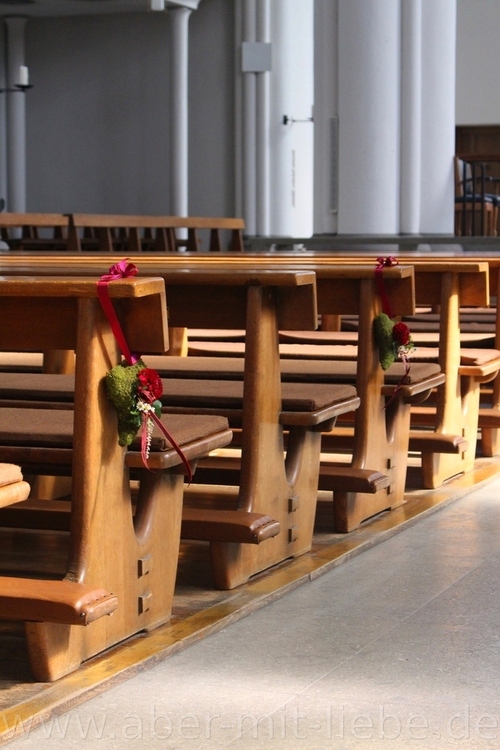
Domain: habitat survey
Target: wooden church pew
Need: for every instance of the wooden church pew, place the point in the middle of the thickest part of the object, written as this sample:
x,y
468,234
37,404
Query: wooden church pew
x,y
34,231
454,423
106,544
386,437
261,302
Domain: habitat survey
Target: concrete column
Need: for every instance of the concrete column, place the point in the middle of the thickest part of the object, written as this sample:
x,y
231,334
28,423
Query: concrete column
x,y
262,125
179,19
369,113
411,115
16,118
325,117
438,115
276,164
3,117
292,95
249,129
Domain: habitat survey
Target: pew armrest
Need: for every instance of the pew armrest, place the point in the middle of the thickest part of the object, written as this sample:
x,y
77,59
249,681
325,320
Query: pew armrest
x,y
206,524
64,602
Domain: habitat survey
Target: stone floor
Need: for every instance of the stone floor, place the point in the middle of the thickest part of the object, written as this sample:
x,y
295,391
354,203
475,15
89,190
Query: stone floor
x,y
395,647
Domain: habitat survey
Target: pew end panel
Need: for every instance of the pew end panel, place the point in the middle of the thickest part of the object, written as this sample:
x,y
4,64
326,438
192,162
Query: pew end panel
x,y
104,549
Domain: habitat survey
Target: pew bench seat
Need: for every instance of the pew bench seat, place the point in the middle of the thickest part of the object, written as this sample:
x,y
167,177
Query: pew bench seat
x,y
476,362
227,526
422,376
198,524
45,436
302,403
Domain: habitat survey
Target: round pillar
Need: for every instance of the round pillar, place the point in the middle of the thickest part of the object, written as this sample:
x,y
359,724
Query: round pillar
x,y
179,19
16,117
438,116
411,115
368,112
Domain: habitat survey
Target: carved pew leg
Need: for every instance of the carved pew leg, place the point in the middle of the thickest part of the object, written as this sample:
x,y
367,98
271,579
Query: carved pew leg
x,y
294,507
54,650
490,441
350,509
437,468
149,567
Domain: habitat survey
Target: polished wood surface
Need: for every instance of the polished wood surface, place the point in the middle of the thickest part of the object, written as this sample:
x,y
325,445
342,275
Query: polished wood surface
x,y
381,436
261,301
105,546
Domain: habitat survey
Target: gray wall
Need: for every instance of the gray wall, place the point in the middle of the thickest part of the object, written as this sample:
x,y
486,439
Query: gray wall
x,y
478,62
98,115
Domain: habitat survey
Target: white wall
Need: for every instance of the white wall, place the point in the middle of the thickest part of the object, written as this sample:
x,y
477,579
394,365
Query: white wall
x,y
478,62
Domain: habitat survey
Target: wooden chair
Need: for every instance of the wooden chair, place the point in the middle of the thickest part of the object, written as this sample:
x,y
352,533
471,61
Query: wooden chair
x,y
476,212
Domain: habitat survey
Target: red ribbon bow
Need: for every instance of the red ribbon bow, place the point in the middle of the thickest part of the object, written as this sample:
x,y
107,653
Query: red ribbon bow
x,y
121,270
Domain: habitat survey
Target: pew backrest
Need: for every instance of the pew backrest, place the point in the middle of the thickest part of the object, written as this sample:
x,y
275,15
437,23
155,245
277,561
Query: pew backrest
x,y
34,230
135,234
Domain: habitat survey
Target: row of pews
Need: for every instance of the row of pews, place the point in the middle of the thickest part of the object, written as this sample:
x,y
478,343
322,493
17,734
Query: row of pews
x,y
266,408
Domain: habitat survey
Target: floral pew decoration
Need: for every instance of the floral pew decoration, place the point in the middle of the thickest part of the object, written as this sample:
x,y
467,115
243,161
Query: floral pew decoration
x,y
133,388
393,338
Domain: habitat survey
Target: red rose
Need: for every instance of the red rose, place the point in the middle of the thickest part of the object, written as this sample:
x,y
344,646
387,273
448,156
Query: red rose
x,y
149,386
401,334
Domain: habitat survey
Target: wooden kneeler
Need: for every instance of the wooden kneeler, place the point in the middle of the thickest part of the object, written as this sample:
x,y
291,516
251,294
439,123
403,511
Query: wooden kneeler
x,y
134,559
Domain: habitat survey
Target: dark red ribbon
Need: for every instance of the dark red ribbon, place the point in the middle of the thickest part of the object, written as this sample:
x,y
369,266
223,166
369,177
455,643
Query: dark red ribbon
x,y
121,270
402,382
386,308
379,277
124,270
152,415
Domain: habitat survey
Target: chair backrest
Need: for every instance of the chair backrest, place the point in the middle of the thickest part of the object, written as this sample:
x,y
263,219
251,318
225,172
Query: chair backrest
x,y
463,177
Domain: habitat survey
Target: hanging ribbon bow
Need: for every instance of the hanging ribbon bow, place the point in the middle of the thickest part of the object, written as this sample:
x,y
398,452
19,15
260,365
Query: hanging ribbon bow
x,y
379,276
150,387
121,270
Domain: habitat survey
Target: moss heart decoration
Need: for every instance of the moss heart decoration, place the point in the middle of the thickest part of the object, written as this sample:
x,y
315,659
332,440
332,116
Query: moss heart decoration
x,y
393,339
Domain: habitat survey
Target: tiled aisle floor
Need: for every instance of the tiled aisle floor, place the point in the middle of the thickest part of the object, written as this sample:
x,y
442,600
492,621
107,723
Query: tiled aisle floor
x,y
397,648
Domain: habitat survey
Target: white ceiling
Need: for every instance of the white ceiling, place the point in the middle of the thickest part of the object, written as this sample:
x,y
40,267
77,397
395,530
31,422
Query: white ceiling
x,y
82,7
